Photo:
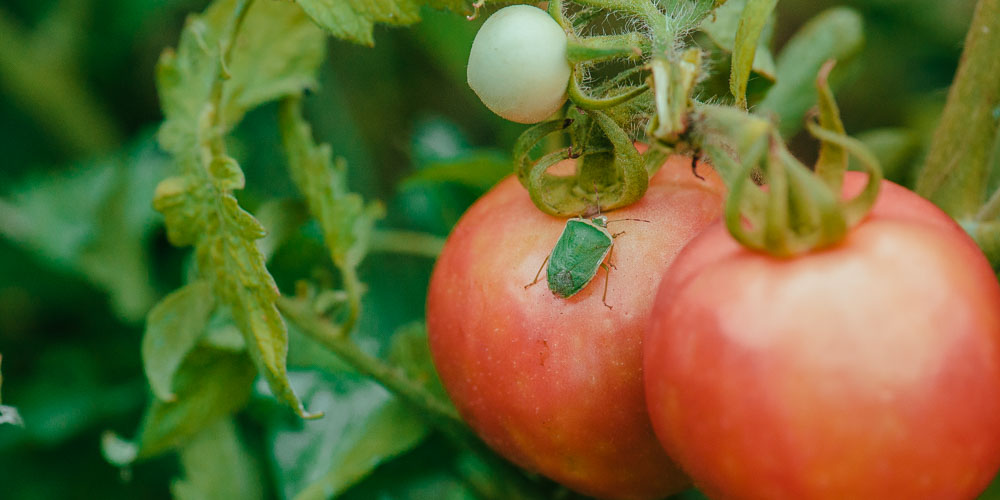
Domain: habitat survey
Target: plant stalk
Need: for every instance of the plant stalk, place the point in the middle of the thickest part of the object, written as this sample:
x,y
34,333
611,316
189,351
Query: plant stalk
x,y
956,170
406,242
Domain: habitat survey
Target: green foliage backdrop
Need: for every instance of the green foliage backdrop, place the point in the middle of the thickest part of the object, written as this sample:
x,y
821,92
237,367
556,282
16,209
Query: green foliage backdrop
x,y
85,259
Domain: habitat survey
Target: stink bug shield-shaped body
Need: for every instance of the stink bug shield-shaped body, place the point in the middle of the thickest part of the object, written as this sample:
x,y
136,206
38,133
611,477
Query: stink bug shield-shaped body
x,y
579,253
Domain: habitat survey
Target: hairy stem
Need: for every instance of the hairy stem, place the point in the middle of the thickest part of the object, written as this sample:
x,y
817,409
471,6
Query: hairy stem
x,y
955,173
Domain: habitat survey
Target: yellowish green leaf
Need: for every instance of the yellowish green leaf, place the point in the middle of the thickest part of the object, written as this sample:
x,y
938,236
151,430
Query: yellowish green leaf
x,y
755,15
173,328
231,58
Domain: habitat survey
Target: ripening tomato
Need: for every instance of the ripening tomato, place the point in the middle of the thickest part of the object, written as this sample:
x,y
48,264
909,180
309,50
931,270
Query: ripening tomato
x,y
866,370
553,384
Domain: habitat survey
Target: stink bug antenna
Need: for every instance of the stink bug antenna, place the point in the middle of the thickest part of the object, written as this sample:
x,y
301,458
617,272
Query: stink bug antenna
x,y
637,220
597,196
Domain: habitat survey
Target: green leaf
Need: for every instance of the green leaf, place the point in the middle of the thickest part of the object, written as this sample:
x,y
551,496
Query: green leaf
x,y
427,472
835,33
755,15
172,330
722,28
276,53
94,219
209,384
346,222
411,352
68,393
363,427
217,466
206,85
354,20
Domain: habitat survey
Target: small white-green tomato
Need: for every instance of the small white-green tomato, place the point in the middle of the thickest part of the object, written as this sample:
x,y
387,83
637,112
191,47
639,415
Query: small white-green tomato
x,y
518,65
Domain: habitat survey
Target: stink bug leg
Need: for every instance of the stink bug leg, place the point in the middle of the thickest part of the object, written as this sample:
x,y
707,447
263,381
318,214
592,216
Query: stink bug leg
x,y
607,276
539,273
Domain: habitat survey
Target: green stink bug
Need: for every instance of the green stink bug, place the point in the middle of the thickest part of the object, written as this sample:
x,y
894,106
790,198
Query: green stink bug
x,y
580,251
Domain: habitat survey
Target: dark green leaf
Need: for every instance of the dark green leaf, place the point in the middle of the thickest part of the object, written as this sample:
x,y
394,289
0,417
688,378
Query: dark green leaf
x,y
66,394
217,466
427,472
755,15
836,34
364,426
94,219
209,385
172,330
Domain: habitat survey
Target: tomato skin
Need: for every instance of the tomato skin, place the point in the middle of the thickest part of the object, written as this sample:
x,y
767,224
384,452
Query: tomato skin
x,y
555,385
868,370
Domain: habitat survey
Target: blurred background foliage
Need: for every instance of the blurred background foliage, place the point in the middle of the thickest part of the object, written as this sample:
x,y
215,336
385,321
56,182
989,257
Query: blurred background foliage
x,y
83,256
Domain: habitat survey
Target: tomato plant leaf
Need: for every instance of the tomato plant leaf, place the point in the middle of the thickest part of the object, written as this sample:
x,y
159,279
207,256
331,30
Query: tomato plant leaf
x,y
230,59
173,328
354,20
411,352
747,43
94,219
218,466
836,33
722,29
276,53
363,427
210,384
346,221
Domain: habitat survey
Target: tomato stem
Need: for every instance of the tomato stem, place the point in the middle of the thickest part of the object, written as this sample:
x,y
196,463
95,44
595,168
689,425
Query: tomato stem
x,y
958,163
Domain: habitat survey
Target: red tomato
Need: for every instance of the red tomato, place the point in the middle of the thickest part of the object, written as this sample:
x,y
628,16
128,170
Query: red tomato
x,y
555,385
868,370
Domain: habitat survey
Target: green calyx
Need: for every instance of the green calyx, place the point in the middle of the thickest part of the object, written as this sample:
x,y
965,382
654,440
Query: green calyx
x,y
800,209
610,173
607,115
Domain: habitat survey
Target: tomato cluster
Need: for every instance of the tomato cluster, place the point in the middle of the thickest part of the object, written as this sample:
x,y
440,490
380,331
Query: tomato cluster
x,y
867,370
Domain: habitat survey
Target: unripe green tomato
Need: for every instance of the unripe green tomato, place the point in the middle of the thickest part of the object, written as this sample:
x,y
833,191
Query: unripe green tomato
x,y
518,65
